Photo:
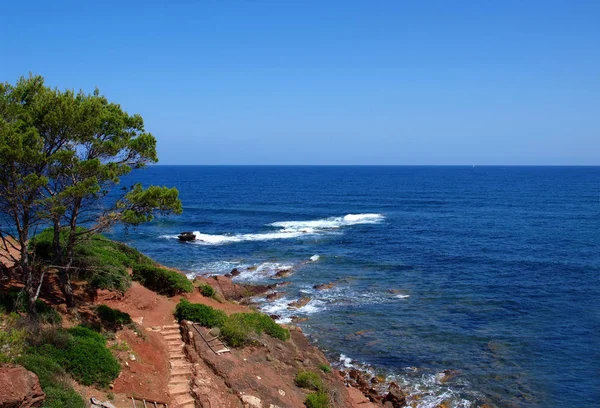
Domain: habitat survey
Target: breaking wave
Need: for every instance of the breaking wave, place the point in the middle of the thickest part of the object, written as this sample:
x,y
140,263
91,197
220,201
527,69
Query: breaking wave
x,y
288,229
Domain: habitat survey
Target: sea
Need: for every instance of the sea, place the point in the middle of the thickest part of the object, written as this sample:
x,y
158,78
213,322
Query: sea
x,y
465,285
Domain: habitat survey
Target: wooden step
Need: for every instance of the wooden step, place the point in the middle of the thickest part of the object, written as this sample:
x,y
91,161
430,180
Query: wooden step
x,y
182,400
176,356
171,326
178,389
188,405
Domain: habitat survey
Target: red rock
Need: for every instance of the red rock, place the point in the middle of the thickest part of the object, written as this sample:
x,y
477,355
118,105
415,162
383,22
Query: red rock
x,y
19,388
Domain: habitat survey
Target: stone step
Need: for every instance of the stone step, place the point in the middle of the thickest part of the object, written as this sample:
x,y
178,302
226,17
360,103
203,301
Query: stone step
x,y
170,331
176,356
182,400
179,363
171,326
181,371
188,405
173,337
178,389
176,349
178,379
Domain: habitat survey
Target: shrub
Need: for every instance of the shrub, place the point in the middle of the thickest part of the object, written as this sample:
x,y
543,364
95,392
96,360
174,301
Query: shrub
x,y
85,357
47,314
236,332
325,368
206,290
113,318
54,382
319,399
12,339
239,327
309,380
162,280
204,315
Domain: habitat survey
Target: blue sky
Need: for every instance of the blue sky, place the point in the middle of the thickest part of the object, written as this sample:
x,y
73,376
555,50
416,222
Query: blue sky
x,y
327,82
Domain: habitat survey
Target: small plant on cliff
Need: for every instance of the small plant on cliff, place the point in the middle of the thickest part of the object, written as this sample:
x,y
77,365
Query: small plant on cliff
x,y
309,380
12,338
162,280
319,399
113,318
204,315
325,368
206,290
239,327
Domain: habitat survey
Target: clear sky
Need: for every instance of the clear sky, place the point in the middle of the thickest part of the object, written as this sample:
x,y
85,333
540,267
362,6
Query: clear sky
x,y
328,82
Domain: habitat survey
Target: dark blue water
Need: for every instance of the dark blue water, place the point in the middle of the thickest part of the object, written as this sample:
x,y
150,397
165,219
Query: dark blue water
x,y
491,271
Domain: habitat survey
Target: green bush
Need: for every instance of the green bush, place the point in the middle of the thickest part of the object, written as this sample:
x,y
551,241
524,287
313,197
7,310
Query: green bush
x,y
204,315
236,332
12,338
325,368
14,300
206,290
84,356
309,380
319,399
54,382
104,262
239,327
162,280
113,318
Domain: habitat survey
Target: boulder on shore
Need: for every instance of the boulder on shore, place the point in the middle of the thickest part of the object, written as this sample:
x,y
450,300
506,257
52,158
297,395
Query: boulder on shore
x,y
395,396
299,303
19,388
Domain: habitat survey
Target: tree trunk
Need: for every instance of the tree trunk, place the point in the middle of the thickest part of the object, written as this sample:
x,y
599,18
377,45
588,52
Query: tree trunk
x,y
64,281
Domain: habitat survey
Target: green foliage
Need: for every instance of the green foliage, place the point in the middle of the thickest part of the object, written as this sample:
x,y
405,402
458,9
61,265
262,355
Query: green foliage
x,y
236,332
325,368
84,356
239,328
113,318
204,315
319,399
162,280
14,300
12,339
206,290
53,380
309,380
144,203
104,262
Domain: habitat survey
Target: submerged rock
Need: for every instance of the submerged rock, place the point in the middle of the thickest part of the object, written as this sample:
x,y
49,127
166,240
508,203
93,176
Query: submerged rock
x,y
187,236
324,286
303,301
273,296
283,273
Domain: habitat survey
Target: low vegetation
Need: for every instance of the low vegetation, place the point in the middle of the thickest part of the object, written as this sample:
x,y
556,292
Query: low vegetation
x,y
82,352
105,263
162,280
206,290
13,300
309,380
54,381
238,329
112,318
204,315
319,399
325,368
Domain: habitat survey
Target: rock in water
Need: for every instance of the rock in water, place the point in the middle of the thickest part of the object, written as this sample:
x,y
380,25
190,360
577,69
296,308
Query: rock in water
x,y
187,236
396,396
20,388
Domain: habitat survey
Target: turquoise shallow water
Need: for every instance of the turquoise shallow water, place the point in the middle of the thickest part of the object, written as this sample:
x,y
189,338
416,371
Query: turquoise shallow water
x,y
490,271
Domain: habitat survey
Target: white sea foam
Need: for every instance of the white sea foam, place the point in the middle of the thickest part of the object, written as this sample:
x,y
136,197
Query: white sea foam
x,y
328,223
402,296
314,258
287,230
